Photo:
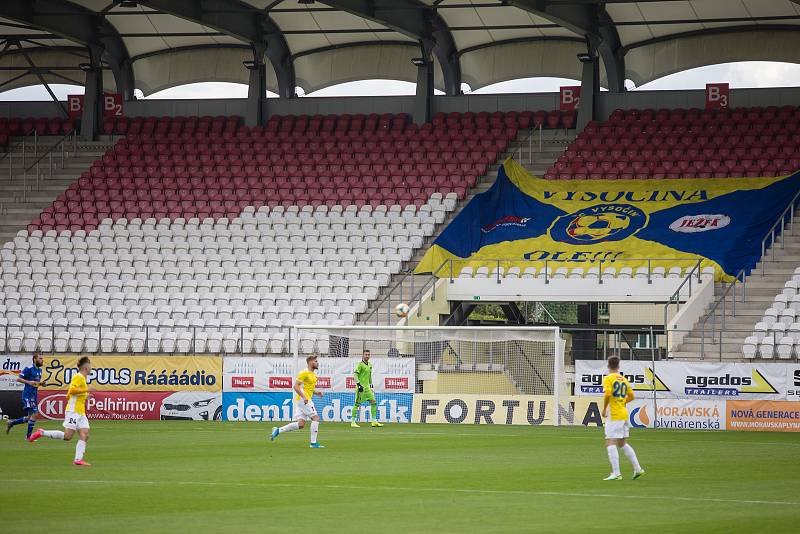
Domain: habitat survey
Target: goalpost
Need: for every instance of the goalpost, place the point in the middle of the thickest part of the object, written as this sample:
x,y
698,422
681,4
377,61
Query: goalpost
x,y
458,360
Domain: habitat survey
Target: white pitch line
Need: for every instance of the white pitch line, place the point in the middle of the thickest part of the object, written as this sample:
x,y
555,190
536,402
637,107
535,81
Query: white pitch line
x,y
388,433
404,489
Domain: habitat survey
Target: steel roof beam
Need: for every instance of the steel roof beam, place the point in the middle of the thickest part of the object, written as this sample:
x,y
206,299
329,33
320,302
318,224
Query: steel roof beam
x,y
592,21
418,21
242,21
81,26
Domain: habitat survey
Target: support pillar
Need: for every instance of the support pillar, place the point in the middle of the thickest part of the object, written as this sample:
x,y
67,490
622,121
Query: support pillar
x,y
93,96
256,89
424,96
584,342
590,88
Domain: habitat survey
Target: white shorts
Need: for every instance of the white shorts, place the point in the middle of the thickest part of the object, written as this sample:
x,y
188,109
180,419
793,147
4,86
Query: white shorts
x,y
617,429
303,410
74,421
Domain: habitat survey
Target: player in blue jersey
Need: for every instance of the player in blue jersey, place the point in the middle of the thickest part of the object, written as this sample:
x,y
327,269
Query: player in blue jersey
x,y
31,377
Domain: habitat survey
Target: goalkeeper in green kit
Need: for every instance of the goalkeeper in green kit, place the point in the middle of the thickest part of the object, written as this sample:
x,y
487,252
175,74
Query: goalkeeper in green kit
x,y
364,392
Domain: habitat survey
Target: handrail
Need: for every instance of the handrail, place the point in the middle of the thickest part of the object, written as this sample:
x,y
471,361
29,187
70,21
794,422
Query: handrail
x,y
771,232
447,265
10,152
49,152
550,315
675,298
379,303
601,262
529,139
147,330
713,312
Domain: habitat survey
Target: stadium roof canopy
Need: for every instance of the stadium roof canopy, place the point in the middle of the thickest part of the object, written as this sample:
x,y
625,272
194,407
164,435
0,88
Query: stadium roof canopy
x,y
157,44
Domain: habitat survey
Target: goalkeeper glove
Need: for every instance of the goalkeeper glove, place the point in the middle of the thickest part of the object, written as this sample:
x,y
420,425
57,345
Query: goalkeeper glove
x,y
360,388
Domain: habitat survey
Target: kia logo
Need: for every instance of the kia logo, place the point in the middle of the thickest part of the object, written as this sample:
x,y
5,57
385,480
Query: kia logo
x,y
52,406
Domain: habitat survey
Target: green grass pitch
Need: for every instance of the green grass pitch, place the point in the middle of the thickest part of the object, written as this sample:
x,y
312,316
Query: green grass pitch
x,y
227,477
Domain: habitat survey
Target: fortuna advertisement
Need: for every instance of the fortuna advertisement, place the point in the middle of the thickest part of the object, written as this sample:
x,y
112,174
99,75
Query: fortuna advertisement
x,y
260,389
483,409
699,380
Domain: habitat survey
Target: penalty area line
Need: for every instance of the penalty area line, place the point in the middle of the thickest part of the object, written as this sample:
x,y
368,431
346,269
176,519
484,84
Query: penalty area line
x,y
468,491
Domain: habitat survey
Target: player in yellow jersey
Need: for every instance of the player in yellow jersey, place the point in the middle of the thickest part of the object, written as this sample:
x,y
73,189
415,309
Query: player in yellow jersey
x,y
74,414
617,393
304,409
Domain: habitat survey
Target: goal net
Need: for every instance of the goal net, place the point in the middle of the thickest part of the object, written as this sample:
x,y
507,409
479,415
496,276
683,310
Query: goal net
x,y
500,367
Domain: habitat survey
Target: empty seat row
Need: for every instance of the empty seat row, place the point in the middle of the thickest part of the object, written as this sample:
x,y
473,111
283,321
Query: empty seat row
x,y
653,145
468,272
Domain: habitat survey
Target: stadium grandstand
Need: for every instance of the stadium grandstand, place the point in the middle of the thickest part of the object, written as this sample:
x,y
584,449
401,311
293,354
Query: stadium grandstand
x,y
457,292
135,225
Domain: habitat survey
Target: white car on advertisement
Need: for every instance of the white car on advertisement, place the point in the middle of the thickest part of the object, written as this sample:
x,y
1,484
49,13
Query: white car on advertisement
x,y
192,405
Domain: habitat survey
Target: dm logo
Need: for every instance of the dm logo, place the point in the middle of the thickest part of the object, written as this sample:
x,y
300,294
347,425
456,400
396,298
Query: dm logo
x,y
596,224
639,417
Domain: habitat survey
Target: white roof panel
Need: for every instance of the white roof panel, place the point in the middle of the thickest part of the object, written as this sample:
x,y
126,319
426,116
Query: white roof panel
x,y
328,27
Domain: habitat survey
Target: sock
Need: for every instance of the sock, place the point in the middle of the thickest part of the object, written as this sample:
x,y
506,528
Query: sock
x,y
19,421
631,454
356,406
30,427
314,431
289,428
80,448
613,457
53,434
374,409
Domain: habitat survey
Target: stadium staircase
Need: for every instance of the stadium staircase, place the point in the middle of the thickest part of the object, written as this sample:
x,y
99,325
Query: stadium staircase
x,y
19,207
405,286
735,322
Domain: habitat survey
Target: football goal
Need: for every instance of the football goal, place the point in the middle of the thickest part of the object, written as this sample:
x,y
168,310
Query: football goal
x,y
467,361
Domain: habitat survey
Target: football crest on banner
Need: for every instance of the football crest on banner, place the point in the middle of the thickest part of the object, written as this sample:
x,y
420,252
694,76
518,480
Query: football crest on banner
x,y
598,223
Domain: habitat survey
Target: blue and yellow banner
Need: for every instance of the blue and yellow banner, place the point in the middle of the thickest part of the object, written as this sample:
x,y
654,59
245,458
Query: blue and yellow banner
x,y
525,221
